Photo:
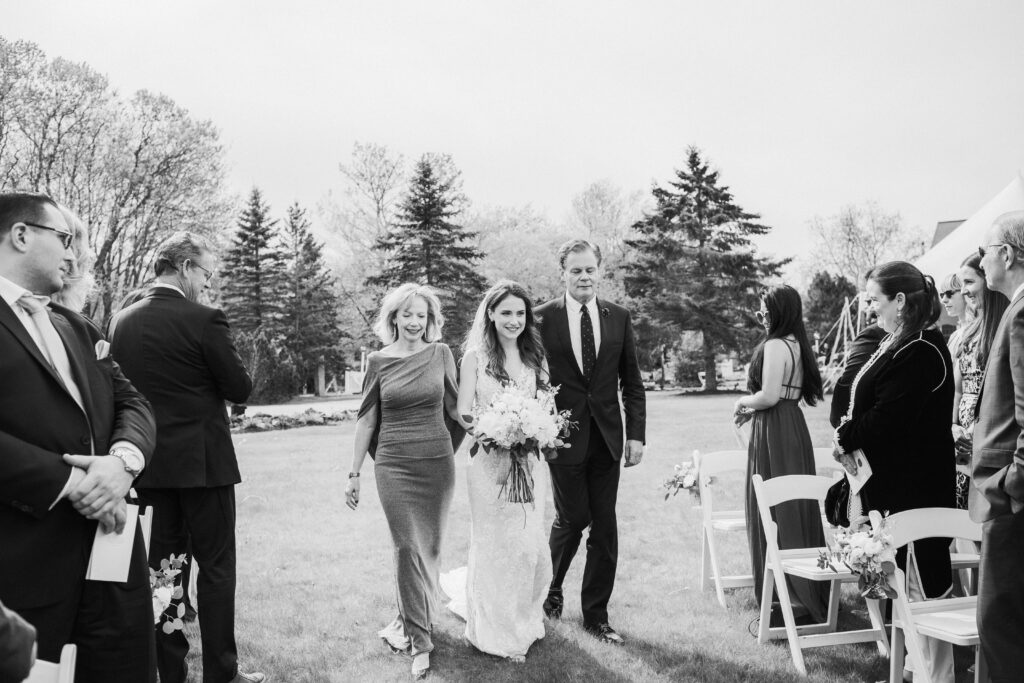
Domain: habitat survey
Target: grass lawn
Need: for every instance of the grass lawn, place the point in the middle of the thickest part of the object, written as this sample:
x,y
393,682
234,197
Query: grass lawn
x,y
315,579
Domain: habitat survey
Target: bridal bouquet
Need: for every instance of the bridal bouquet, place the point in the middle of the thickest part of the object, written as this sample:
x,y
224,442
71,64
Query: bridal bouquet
x,y
522,426
866,549
166,588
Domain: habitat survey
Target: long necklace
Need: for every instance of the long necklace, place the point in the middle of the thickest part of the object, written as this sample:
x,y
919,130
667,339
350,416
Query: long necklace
x,y
883,346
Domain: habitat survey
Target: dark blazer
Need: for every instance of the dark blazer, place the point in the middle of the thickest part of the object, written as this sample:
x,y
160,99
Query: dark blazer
x,y
901,421
616,365
857,353
180,356
44,553
998,451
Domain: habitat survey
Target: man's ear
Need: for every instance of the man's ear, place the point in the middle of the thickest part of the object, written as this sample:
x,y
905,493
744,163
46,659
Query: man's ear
x,y
16,235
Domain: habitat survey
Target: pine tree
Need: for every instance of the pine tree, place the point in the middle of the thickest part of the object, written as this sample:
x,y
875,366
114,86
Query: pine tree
x,y
692,265
826,297
425,246
254,273
311,314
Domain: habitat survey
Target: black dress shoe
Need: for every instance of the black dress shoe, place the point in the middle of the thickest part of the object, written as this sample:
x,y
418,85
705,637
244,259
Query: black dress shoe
x,y
605,633
553,604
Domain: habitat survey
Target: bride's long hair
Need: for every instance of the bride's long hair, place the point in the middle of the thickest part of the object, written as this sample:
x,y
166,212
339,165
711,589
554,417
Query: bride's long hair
x,y
483,337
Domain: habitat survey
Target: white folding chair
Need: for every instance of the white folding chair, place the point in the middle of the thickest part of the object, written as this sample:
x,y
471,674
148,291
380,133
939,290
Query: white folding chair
x,y
713,465
803,563
953,620
48,672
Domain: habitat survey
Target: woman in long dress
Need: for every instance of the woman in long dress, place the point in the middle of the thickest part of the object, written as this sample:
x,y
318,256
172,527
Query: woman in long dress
x,y
409,390
783,371
501,592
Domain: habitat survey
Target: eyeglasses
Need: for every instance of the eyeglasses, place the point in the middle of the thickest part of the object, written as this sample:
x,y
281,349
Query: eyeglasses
x,y
762,317
948,294
65,237
208,273
981,250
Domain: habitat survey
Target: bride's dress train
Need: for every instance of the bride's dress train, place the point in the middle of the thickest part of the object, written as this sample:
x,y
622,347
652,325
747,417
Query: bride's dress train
x,y
501,592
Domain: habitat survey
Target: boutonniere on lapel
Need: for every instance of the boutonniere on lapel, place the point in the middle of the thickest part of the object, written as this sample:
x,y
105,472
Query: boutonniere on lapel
x,y
605,312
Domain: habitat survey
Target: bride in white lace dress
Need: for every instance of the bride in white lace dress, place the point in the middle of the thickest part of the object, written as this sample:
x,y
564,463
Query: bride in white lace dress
x,y
501,592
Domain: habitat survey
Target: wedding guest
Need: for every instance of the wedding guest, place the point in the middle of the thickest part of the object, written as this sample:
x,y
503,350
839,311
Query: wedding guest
x,y
180,355
857,353
407,423
64,395
500,593
997,498
79,282
897,417
17,646
592,355
956,305
969,364
783,372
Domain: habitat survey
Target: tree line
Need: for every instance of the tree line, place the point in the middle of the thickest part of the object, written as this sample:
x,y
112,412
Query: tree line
x,y
302,297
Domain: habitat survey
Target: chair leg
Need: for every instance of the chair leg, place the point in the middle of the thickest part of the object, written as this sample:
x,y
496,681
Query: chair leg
x,y
896,656
715,569
787,616
878,624
980,666
764,624
705,560
835,594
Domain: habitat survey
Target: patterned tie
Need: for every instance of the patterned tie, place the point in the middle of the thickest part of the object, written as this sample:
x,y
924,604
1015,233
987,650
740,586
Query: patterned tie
x,y
589,348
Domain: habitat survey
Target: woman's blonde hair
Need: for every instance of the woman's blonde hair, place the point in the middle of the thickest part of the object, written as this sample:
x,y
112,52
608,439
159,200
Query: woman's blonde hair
x,y
79,283
399,298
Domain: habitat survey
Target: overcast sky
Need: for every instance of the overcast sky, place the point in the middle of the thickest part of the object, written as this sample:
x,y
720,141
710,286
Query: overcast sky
x,y
803,106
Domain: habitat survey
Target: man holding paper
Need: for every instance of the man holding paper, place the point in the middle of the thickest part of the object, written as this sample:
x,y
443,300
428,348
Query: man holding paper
x,y
180,355
63,395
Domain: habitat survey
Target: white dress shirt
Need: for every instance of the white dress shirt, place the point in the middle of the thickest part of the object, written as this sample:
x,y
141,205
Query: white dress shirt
x,y
574,310
1017,292
10,293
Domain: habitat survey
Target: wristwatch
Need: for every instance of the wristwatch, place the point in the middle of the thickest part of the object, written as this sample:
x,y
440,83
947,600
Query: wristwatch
x,y
133,462
353,475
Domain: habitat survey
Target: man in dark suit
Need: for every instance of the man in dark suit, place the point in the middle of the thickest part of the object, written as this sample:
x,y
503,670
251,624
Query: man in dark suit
x,y
857,352
997,496
74,433
591,351
179,354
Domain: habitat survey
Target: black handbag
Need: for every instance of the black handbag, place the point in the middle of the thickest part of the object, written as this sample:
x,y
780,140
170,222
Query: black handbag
x,y
837,503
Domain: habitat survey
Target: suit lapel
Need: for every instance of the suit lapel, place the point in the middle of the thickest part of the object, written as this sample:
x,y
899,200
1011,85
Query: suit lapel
x,y
9,320
75,357
602,353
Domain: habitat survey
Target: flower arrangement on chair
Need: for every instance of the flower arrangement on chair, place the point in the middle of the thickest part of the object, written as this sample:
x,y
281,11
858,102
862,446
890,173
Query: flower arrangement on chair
x,y
167,587
684,479
865,548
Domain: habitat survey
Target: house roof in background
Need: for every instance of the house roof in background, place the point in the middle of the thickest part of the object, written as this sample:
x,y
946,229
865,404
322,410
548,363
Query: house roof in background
x,y
943,228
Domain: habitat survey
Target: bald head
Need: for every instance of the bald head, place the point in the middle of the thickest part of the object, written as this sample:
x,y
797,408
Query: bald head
x,y
1010,229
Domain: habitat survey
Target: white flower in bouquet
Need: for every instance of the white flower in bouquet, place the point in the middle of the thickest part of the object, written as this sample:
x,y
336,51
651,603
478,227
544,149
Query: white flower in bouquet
x,y
867,551
684,479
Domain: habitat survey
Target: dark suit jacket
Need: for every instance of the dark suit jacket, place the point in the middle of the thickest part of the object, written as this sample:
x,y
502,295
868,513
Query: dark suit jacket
x,y
180,356
998,452
857,353
616,364
16,639
44,553
901,420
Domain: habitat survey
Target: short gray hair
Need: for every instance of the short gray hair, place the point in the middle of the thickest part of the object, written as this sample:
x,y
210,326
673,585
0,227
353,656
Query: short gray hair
x,y
1011,231
397,299
178,248
575,247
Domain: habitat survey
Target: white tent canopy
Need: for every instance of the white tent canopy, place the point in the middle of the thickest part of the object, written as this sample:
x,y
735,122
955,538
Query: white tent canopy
x,y
946,256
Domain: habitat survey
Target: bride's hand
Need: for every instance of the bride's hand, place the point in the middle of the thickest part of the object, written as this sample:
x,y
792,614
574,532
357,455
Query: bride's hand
x,y
352,493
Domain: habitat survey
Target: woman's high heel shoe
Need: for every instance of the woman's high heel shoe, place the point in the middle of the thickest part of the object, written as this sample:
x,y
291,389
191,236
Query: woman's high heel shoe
x,y
420,666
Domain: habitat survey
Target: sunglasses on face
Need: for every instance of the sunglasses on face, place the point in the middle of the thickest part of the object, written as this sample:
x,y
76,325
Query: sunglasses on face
x,y
948,293
981,250
762,317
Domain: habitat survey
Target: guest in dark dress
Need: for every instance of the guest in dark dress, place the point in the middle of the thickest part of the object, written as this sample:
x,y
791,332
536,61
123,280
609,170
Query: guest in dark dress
x,y
782,372
407,423
857,353
899,409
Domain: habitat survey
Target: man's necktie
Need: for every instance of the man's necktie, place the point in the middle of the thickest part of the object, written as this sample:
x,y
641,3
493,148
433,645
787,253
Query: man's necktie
x,y
589,348
51,347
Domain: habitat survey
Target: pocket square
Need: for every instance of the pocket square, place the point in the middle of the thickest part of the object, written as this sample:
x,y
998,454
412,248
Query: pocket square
x,y
102,349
